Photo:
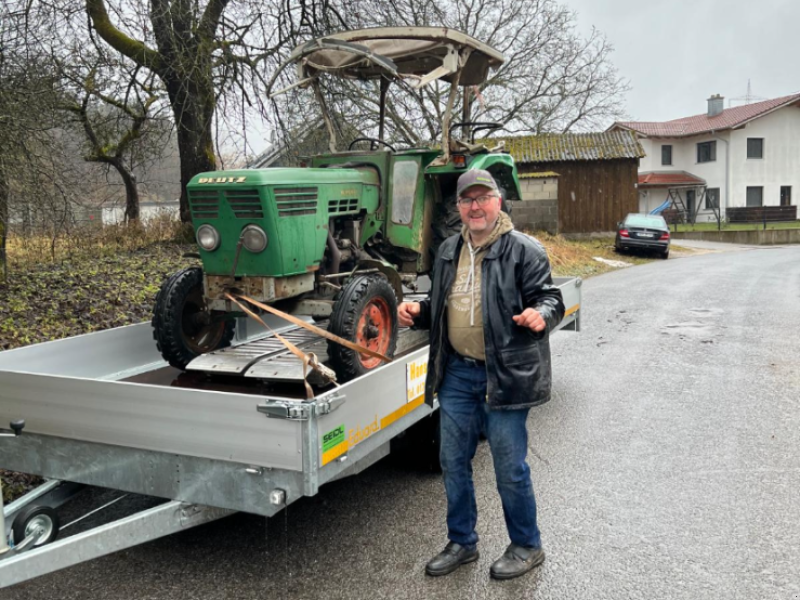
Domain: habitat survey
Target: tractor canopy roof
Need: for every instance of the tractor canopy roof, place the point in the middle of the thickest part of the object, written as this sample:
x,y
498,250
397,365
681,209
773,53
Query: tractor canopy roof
x,y
405,52
419,54
415,56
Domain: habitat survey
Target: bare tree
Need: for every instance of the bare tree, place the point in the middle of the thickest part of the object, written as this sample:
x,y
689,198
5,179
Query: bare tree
x,y
204,53
117,108
27,104
553,80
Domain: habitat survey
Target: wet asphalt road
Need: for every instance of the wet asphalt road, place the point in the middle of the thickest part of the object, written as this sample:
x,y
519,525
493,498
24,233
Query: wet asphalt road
x,y
667,465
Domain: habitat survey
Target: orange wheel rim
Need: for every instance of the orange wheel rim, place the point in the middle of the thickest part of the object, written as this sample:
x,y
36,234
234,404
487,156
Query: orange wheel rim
x,y
374,331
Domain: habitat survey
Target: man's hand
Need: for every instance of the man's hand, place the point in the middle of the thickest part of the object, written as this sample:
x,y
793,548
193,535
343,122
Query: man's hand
x,y
531,319
406,313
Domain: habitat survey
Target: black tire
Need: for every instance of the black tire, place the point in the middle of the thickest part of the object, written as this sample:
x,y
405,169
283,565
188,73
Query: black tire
x,y
179,335
33,516
418,446
362,297
665,255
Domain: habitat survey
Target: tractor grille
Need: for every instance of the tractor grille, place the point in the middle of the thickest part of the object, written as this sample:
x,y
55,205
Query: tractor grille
x,y
297,201
345,205
204,204
245,203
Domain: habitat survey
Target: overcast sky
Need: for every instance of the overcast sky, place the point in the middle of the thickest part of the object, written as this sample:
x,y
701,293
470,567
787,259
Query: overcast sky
x,y
676,53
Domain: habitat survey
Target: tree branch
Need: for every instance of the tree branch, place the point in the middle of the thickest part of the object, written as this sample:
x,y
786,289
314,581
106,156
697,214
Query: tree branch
x,y
136,50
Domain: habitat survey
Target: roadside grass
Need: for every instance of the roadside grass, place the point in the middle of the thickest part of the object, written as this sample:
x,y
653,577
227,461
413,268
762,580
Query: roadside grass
x,y
576,258
681,227
91,242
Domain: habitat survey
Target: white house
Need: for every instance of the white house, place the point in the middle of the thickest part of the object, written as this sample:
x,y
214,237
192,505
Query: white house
x,y
734,157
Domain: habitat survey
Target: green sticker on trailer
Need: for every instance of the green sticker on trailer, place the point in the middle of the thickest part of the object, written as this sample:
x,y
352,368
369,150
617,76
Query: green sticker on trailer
x,y
333,438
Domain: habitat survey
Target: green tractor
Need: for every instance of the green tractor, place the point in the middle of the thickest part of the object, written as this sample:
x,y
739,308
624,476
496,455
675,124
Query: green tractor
x,y
341,238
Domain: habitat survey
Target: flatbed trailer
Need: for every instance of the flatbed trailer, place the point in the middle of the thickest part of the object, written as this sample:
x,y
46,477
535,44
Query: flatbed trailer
x,y
104,410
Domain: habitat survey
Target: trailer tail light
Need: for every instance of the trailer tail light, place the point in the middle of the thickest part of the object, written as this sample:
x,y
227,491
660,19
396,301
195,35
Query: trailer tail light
x,y
460,161
624,233
664,236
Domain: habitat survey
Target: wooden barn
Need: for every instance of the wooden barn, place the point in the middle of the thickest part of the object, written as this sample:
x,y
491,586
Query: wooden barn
x,y
596,184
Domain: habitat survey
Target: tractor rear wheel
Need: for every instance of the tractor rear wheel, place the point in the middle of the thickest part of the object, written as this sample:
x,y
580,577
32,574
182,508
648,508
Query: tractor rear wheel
x,y
183,326
365,312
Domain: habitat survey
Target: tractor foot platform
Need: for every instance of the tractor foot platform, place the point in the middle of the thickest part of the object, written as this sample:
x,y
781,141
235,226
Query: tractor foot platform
x,y
269,360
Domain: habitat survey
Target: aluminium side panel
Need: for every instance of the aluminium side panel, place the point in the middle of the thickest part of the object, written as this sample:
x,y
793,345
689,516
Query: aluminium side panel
x,y
215,425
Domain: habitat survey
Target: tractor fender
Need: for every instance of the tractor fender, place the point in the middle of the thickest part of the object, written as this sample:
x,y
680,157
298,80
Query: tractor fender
x,y
387,269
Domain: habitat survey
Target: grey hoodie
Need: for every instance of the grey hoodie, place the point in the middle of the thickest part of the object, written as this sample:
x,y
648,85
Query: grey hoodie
x,y
464,316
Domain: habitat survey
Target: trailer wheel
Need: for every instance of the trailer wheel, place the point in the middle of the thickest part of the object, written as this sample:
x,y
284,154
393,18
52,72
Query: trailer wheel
x,y
364,312
36,520
183,326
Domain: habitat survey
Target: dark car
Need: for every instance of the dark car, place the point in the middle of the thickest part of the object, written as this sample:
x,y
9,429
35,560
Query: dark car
x,y
643,232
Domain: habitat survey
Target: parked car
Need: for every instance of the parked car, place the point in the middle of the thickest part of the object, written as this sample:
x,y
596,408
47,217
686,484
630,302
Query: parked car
x,y
643,232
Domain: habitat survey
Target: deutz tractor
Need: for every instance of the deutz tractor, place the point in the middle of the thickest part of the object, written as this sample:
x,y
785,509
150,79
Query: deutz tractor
x,y
341,238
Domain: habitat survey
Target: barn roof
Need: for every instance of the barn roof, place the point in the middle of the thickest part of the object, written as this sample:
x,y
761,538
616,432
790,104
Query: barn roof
x,y
560,147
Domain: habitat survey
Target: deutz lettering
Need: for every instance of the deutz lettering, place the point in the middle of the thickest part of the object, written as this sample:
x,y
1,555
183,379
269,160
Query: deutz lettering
x,y
222,180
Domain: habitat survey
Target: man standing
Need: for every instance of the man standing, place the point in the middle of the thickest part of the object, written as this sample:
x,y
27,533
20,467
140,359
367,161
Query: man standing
x,y
490,309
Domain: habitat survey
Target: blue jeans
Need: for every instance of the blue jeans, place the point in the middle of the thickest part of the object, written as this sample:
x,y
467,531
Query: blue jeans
x,y
464,414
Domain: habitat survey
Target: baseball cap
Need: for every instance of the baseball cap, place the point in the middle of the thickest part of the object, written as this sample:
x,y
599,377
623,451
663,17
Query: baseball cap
x,y
475,177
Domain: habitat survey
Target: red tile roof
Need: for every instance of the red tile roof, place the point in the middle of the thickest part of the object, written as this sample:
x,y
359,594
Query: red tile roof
x,y
727,119
670,178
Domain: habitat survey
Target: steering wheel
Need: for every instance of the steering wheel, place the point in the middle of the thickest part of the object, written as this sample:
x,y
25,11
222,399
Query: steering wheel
x,y
372,142
476,126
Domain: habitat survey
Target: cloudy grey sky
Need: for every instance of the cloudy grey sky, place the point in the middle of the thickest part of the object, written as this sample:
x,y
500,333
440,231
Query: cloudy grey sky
x,y
676,53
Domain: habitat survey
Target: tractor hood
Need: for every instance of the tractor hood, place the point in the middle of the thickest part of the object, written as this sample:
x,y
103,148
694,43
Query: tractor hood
x,y
293,207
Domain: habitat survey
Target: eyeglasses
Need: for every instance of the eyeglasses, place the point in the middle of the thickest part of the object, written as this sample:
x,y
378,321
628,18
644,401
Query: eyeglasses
x,y
465,202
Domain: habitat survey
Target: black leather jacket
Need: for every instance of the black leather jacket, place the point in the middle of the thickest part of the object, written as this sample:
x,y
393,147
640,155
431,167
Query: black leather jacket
x,y
515,276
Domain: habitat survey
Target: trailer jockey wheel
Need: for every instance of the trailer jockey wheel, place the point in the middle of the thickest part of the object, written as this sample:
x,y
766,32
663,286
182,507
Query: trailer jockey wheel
x,y
183,327
41,521
365,312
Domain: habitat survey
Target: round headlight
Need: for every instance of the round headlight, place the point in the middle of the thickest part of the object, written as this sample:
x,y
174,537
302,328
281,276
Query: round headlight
x,y
254,238
207,237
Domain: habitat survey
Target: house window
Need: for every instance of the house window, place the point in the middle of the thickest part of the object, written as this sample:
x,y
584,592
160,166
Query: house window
x,y
755,147
712,198
786,195
755,196
666,154
706,152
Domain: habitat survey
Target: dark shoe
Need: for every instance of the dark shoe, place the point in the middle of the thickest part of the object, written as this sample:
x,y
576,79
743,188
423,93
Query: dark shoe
x,y
448,560
516,561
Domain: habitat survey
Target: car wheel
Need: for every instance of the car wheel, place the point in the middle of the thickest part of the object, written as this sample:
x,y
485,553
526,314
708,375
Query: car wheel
x,y
665,255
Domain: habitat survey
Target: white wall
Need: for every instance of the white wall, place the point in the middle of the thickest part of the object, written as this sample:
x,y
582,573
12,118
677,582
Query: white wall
x,y
114,215
781,163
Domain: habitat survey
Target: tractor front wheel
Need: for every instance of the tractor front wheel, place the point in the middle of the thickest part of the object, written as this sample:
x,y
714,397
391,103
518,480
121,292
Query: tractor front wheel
x,y
183,326
365,312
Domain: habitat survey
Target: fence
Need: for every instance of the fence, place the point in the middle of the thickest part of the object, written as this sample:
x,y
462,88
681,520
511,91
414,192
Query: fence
x,y
761,214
